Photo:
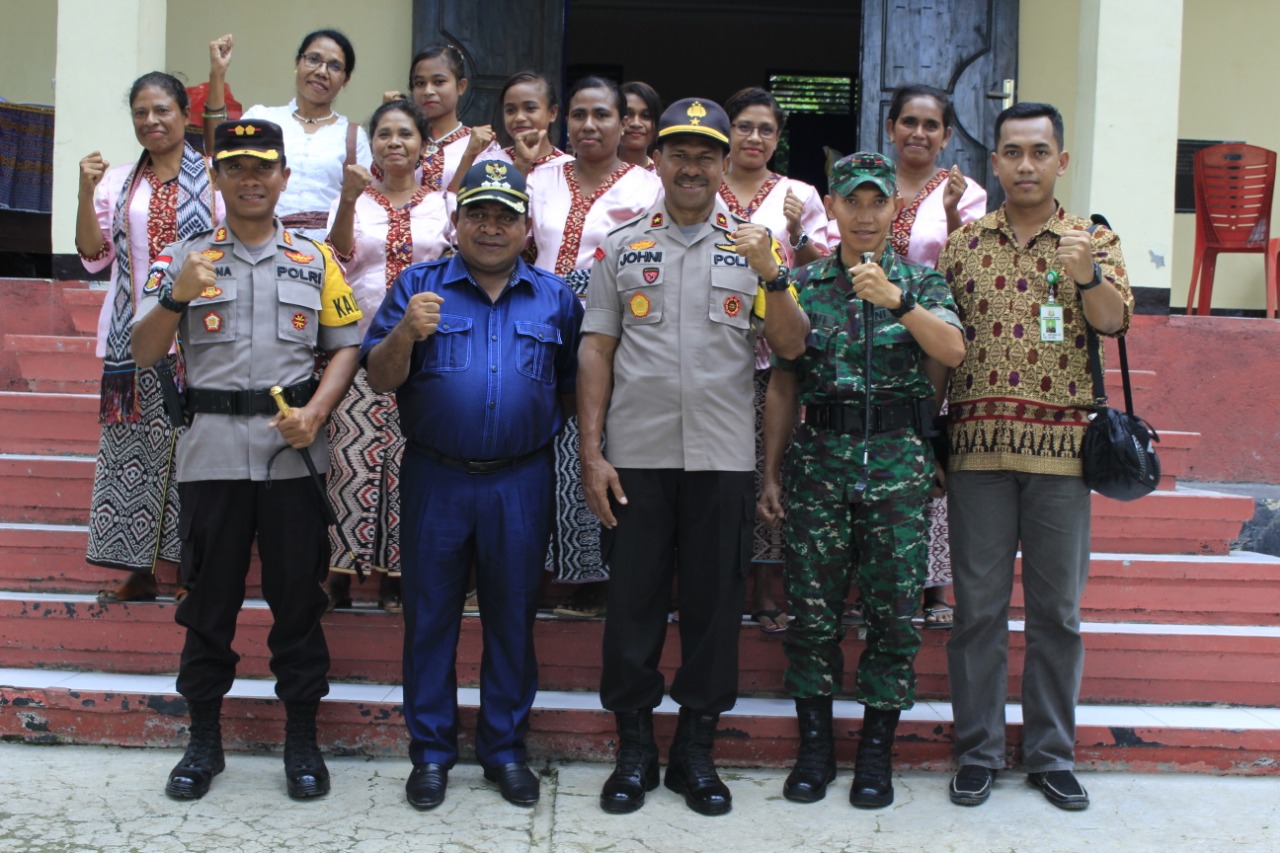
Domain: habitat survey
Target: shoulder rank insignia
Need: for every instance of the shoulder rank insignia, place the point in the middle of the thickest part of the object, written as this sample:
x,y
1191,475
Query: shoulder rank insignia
x,y
641,245
212,322
210,292
220,236
288,239
298,257
722,221
656,221
639,305
213,254
727,247
599,253
299,321
733,306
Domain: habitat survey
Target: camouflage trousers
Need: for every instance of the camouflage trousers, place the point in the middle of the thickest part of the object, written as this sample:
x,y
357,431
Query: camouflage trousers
x,y
879,543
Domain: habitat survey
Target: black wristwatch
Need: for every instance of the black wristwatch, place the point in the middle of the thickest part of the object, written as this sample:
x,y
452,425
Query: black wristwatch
x,y
780,282
168,303
1097,280
908,302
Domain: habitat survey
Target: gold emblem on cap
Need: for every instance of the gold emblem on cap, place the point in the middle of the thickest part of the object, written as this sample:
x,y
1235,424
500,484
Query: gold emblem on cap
x,y
244,130
696,113
497,172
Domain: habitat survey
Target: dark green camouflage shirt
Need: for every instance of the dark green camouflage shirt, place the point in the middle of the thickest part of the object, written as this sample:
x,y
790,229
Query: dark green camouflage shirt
x,y
831,369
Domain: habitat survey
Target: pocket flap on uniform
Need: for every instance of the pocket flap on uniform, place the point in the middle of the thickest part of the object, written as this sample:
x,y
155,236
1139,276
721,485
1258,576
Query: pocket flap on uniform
x,y
452,323
541,331
296,293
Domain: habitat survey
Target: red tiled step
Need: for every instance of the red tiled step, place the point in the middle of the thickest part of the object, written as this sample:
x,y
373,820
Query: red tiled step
x,y
48,423
1184,521
84,304
1125,663
89,708
1240,588
45,489
1176,450
61,364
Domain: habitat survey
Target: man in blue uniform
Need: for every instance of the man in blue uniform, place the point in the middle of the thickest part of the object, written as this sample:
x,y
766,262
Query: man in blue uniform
x,y
481,350
251,303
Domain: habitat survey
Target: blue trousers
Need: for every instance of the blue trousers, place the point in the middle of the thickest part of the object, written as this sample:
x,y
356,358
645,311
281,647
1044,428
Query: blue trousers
x,y
502,521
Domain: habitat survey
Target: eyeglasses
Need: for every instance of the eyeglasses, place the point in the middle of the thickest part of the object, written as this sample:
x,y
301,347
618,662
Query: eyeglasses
x,y
746,128
315,60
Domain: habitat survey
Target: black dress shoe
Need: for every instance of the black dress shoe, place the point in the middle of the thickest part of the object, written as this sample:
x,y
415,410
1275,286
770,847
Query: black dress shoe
x,y
1061,788
426,785
518,783
972,785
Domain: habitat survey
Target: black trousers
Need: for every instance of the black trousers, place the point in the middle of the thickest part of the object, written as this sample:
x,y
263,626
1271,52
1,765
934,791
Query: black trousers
x,y
218,522
705,517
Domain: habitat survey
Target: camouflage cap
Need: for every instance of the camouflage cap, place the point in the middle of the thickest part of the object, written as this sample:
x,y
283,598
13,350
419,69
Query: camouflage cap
x,y
865,167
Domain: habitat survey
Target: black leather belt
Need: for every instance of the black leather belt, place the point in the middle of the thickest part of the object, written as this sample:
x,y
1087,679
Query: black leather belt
x,y
848,419
254,401
478,466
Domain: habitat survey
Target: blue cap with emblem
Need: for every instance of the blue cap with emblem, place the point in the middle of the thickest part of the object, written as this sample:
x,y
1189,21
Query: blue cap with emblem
x,y
494,180
248,138
696,116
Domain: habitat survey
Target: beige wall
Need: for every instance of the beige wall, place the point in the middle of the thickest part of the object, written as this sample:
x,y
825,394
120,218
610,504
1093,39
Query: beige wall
x,y
1230,71
267,37
1048,55
27,54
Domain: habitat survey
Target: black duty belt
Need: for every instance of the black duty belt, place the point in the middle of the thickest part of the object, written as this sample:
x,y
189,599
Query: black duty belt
x,y
253,401
477,466
848,419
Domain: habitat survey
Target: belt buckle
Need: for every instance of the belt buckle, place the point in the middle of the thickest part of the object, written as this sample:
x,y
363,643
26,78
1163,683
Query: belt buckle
x,y
242,402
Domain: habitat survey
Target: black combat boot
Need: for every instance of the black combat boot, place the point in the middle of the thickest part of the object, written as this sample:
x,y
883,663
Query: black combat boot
x,y
637,768
203,760
816,762
690,770
873,770
304,768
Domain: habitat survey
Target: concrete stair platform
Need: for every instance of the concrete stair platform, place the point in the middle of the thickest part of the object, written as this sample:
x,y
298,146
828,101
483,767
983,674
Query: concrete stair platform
x,y
45,489
49,707
84,304
56,363
52,424
1124,662
1184,521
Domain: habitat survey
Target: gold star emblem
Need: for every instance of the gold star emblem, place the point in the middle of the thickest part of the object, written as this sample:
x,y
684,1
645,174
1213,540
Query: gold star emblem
x,y
696,113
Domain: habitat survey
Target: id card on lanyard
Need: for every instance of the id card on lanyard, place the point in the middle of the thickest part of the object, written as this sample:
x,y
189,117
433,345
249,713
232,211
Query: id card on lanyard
x,y
1051,319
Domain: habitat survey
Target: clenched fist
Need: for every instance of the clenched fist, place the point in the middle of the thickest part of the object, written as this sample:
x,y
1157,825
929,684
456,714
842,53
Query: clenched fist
x,y
92,168
197,274
422,315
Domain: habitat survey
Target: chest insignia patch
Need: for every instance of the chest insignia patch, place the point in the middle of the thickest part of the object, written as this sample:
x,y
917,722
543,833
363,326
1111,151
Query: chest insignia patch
x,y
639,305
733,305
214,254
641,245
722,221
298,257
288,239
656,221
299,321
220,236
213,322
726,247
210,292
650,274
599,253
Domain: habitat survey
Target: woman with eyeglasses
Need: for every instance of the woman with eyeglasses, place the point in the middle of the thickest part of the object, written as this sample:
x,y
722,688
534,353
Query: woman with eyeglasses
x,y
793,211
318,142
573,205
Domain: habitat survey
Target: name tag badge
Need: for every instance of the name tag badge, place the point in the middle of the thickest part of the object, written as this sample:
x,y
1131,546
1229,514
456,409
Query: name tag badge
x,y
1051,323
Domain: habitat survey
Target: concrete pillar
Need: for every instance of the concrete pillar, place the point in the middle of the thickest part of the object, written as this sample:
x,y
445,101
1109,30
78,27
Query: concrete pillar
x,y
1126,138
102,49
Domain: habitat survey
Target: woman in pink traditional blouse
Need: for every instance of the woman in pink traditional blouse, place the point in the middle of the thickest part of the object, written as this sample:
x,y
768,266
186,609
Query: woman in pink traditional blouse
x,y
530,109
377,228
793,211
573,205
126,216
639,123
437,80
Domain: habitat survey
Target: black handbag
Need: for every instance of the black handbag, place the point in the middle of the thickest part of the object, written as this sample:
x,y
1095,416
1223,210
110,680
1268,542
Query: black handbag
x,y
1118,450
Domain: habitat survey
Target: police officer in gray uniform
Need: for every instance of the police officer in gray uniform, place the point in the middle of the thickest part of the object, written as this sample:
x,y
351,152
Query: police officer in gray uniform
x,y
665,379
251,303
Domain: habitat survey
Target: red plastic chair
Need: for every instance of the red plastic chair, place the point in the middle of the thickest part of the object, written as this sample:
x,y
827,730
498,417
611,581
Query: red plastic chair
x,y
1234,185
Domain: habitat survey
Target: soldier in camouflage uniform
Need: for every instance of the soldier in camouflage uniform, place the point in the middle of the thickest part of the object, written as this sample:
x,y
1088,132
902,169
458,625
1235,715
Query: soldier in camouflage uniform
x,y
850,522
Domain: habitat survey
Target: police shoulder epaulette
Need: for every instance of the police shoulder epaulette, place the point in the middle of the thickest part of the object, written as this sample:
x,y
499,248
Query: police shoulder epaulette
x,y
632,221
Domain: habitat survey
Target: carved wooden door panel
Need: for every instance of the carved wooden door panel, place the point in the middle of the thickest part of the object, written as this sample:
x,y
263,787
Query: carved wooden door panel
x,y
967,48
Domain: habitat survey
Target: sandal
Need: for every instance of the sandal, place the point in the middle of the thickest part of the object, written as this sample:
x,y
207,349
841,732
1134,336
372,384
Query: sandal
x,y
775,615
853,615
939,615
389,595
139,586
472,604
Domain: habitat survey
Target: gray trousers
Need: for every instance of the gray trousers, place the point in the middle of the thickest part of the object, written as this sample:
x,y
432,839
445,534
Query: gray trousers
x,y
991,513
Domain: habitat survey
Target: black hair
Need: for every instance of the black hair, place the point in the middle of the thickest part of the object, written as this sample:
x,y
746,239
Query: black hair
x,y
519,77
407,107
646,93
754,96
594,82
166,83
1034,109
903,94
452,57
343,43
